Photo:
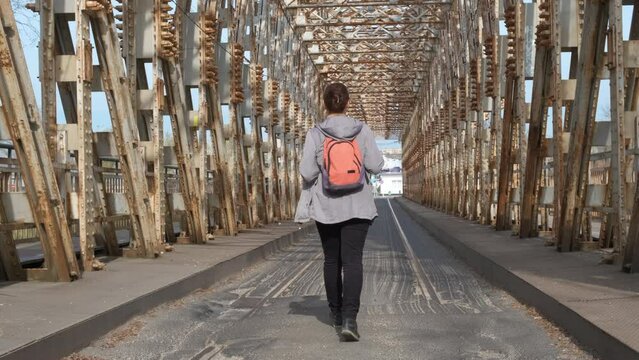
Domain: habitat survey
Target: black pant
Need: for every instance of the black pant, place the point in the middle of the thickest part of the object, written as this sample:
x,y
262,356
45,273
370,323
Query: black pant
x,y
343,245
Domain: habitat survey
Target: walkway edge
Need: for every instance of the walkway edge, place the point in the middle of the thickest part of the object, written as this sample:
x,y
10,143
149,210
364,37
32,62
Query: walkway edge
x,y
80,335
585,332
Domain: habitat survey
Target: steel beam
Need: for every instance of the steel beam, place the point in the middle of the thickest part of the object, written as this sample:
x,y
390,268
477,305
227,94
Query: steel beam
x,y
86,187
536,136
347,3
144,242
618,135
10,266
581,124
23,120
190,187
506,167
630,254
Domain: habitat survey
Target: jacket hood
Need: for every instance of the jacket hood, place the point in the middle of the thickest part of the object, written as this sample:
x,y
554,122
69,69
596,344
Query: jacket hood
x,y
340,127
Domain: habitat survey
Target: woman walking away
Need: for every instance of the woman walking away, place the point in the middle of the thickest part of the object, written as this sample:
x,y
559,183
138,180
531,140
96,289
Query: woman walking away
x,y
338,155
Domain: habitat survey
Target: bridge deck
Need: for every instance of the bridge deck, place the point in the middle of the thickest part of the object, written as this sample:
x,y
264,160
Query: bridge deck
x,y
49,320
434,307
597,304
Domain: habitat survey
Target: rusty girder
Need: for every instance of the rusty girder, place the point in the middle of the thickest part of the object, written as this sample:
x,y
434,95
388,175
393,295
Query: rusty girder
x,y
379,49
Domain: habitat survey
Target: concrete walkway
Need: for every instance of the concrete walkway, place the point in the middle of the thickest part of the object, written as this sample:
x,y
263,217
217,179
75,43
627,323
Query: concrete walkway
x,y
418,302
51,320
597,304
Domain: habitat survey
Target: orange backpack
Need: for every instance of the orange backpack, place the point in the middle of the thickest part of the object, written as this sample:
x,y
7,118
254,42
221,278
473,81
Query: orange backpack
x,y
343,169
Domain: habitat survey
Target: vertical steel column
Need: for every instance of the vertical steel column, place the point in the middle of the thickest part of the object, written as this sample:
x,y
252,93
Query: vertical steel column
x,y
145,241
291,157
211,95
86,179
64,45
513,78
47,74
618,137
498,125
477,172
537,129
163,224
201,124
505,163
238,168
465,132
631,253
129,51
226,186
494,160
190,186
273,90
19,110
10,266
171,59
493,89
257,97
557,120
582,123
285,198
520,116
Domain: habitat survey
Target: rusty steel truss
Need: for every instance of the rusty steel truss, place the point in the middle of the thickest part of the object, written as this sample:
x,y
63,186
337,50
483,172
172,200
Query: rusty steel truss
x,y
231,78
379,49
548,165
239,83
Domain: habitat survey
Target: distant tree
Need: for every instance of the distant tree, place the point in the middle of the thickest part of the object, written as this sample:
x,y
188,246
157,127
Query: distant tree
x,y
28,21
606,112
168,139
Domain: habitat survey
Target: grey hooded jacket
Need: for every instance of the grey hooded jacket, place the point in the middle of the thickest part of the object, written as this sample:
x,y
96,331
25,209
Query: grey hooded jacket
x,y
314,203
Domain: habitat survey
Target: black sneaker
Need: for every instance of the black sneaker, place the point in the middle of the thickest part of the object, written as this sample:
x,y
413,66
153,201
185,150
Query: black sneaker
x,y
336,319
349,330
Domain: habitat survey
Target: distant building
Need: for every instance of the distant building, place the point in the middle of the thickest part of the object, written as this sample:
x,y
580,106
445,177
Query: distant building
x,y
390,183
393,151
390,164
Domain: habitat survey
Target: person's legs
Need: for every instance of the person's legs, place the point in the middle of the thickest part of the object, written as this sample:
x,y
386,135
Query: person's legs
x,y
353,238
330,236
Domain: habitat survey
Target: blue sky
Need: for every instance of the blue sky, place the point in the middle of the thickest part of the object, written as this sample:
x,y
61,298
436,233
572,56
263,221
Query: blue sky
x,y
388,144
102,122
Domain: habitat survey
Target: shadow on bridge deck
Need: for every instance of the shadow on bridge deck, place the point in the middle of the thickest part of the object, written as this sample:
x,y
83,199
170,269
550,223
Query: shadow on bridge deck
x,y
597,304
418,302
51,320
